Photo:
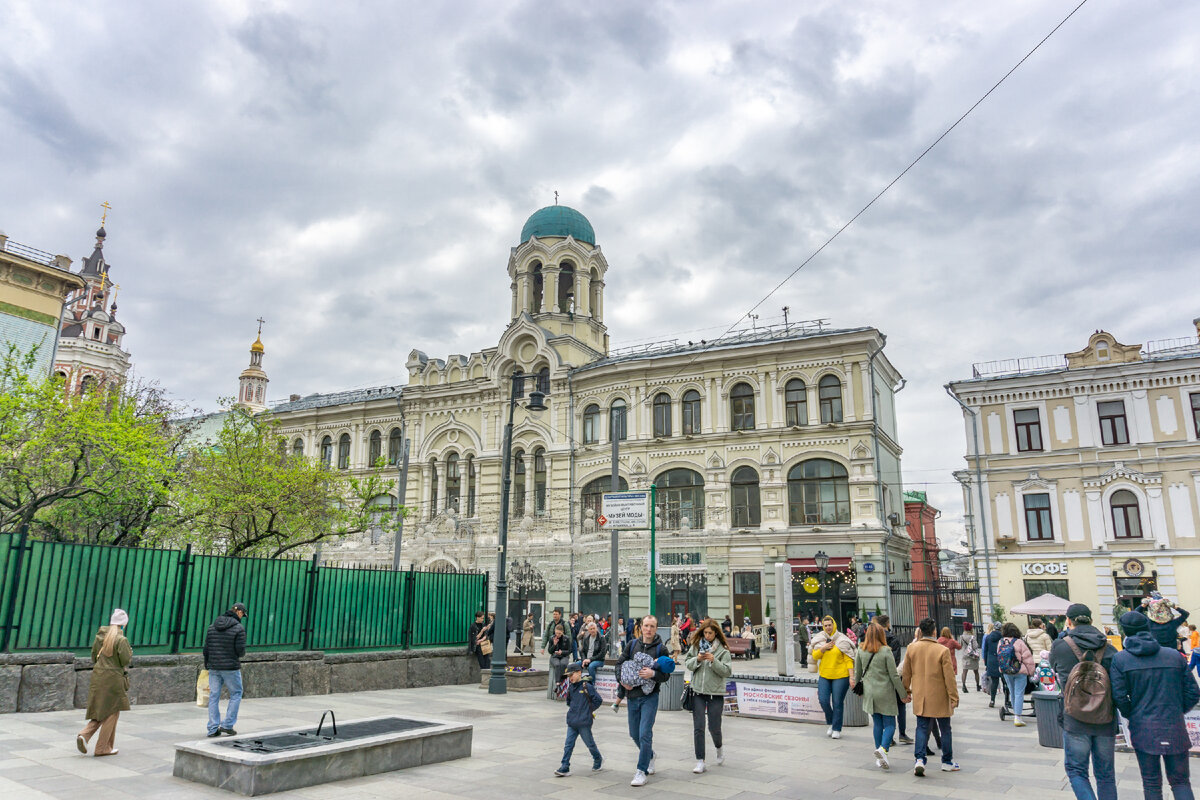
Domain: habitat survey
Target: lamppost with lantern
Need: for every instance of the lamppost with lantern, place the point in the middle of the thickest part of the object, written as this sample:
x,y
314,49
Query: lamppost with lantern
x,y
498,682
821,559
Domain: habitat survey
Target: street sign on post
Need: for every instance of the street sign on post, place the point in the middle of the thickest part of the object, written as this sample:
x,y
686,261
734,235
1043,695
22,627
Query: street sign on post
x,y
625,511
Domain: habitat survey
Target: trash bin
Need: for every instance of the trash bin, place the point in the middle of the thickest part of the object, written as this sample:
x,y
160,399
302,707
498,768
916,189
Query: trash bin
x,y
670,694
1048,706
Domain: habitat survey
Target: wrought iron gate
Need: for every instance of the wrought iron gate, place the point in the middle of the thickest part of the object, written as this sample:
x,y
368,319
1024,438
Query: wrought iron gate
x,y
949,603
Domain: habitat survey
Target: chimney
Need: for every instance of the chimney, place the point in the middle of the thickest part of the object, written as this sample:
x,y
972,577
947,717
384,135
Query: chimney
x,y
293,398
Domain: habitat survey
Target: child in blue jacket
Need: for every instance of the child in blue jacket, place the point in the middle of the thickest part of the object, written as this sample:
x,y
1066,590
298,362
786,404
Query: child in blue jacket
x,y
582,702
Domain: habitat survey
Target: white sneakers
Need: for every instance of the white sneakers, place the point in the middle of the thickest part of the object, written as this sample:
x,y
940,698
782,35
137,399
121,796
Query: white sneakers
x,y
919,768
650,769
720,756
881,758
951,767
835,735
829,731
1018,722
639,779
699,767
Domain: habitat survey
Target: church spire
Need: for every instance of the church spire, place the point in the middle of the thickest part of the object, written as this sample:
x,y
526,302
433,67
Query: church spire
x,y
252,383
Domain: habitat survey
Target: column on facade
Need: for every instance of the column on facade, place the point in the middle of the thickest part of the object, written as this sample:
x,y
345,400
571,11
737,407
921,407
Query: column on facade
x,y
550,288
764,418
848,412
516,306
633,414
709,405
722,420
814,403
423,493
358,448
598,312
583,293
439,502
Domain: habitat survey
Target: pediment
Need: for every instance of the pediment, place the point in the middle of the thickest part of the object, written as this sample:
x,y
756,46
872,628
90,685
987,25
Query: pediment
x,y
1034,481
1121,472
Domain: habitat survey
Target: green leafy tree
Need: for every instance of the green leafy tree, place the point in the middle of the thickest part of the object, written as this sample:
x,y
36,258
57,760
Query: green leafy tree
x,y
243,493
93,466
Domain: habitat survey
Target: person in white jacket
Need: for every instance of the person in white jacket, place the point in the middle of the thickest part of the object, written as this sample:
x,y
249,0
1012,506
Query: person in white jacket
x,y
1036,637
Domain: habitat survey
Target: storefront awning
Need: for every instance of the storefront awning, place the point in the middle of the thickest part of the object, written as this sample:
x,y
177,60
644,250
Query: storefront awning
x,y
810,565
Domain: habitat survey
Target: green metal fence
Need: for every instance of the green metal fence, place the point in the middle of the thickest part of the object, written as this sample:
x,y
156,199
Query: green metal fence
x,y
55,595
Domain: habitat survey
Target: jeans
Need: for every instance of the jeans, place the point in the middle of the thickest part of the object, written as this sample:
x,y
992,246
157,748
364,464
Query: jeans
x,y
707,706
231,678
831,694
558,665
921,740
593,667
1177,775
642,711
901,716
583,732
1194,662
1016,691
885,728
1077,748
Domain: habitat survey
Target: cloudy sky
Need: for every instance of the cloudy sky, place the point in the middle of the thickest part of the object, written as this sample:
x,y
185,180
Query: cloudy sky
x,y
357,172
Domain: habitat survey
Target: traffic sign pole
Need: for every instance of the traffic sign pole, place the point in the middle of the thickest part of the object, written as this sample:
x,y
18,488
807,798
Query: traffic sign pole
x,y
653,555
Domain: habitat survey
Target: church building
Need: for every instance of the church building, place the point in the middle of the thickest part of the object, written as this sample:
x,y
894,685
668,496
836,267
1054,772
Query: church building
x,y
90,351
774,444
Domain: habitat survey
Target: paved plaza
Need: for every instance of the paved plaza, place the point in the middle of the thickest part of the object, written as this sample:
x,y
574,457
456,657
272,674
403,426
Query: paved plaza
x,y
518,743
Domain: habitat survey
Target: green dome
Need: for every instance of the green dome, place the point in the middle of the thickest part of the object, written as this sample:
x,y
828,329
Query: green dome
x,y
559,221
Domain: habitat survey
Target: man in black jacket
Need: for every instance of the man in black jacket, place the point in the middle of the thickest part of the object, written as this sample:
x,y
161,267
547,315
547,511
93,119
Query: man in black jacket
x,y
643,702
224,646
1084,740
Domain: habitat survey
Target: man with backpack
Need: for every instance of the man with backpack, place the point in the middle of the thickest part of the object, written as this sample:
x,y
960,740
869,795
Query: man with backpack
x,y
1082,660
1153,690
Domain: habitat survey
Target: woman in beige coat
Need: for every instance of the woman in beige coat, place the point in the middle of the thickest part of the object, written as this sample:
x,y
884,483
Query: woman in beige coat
x,y
107,693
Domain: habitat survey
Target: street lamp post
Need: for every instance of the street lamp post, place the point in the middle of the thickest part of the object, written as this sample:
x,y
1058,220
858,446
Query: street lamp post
x,y
822,562
498,682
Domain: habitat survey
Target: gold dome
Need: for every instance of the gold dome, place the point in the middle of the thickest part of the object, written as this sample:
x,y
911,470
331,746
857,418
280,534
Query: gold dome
x,y
257,347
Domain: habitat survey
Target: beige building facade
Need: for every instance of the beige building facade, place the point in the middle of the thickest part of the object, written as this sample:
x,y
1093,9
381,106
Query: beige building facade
x,y
767,445
1083,474
33,286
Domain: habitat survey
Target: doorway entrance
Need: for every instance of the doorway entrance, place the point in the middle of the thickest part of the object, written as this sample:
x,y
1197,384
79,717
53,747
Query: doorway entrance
x,y
538,609
747,597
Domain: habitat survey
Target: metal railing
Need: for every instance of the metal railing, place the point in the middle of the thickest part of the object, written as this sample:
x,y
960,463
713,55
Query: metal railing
x,y
30,253
1162,347
1018,366
55,595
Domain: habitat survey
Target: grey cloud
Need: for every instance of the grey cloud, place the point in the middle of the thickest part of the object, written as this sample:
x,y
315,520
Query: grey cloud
x,y
34,103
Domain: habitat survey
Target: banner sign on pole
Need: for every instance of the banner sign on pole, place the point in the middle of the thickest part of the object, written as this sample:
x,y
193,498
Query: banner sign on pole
x,y
625,511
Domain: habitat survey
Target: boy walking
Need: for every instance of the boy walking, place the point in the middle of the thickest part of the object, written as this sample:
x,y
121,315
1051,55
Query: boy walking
x,y
582,701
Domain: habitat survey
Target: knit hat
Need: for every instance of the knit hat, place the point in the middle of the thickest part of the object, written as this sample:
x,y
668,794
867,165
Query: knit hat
x,y
1134,622
665,665
119,617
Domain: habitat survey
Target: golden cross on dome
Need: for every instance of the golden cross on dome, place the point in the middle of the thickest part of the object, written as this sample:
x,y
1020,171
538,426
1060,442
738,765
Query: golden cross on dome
x,y
103,278
116,291
104,216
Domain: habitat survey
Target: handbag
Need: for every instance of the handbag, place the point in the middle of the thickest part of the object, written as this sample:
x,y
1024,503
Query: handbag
x,y
858,687
688,700
485,647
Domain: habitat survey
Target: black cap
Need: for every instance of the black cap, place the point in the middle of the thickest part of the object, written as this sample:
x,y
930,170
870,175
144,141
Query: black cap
x,y
240,607
1077,610
574,666
1133,622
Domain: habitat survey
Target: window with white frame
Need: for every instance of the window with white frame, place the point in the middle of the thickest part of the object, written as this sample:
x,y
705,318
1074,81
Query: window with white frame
x,y
1028,424
1039,526
1113,427
1127,522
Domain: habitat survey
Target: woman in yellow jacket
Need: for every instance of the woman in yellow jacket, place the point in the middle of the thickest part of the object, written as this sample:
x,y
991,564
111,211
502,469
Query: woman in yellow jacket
x,y
834,654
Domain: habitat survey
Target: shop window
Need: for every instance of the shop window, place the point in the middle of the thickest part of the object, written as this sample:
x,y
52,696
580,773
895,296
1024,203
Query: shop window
x,y
818,493
1038,524
1029,430
1039,587
1127,523
1113,429
746,509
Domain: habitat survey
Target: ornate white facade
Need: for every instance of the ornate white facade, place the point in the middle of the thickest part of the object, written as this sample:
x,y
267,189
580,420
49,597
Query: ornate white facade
x,y
766,445
90,346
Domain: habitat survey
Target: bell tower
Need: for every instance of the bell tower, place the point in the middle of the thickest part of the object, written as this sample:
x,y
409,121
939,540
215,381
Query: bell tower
x,y
252,383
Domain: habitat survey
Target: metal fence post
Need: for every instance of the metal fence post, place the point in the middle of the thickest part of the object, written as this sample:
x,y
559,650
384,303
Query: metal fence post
x,y
181,588
310,603
14,588
410,589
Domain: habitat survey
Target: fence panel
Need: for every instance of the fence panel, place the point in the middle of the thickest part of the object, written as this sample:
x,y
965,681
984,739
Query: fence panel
x,y
444,607
359,609
7,542
272,589
67,591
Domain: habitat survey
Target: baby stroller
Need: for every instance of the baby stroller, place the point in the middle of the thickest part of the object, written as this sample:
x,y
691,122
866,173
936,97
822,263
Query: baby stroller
x,y
1006,710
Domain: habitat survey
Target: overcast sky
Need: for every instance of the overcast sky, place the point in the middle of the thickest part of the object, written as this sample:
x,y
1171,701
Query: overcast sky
x,y
357,172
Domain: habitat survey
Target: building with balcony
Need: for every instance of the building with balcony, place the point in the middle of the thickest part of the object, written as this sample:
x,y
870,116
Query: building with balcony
x,y
1083,473
766,445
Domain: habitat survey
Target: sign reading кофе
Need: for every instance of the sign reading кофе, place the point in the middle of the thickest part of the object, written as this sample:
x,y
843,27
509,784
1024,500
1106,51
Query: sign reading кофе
x,y
1044,568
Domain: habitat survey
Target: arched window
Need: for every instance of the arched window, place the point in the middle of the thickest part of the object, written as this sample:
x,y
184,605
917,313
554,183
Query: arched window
x,y
517,500
617,419
375,450
470,486
680,497
298,447
566,287
87,384
453,481
258,394
1127,523
433,488
543,380
662,415
394,447
741,407
591,424
61,375
746,510
818,493
795,398
593,493
829,392
536,277
539,481
327,452
691,412
344,451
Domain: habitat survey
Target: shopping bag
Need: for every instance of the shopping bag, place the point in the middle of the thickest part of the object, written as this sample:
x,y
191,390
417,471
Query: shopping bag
x,y
202,689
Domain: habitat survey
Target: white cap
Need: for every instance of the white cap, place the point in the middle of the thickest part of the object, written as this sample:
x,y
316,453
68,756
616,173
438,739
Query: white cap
x,y
119,617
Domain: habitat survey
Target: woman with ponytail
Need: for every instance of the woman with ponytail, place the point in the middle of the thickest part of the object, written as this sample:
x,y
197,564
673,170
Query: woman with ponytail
x,y
107,693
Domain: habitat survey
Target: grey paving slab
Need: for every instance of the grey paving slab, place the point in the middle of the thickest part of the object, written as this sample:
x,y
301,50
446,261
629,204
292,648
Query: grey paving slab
x,y
518,743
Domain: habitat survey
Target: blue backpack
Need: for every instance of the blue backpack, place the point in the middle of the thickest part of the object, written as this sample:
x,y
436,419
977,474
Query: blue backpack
x,y
1006,657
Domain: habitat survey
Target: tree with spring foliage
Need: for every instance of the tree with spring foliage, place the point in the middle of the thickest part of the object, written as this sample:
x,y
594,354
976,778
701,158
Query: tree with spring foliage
x,y
91,466
244,493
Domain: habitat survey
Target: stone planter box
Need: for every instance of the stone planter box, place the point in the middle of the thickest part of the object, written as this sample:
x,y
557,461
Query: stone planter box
x,y
534,680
